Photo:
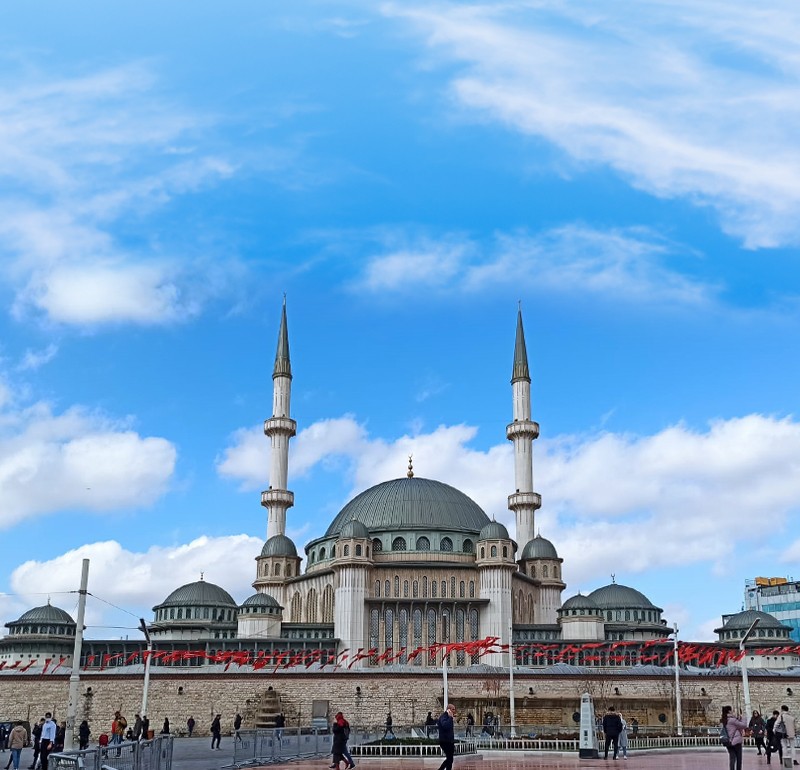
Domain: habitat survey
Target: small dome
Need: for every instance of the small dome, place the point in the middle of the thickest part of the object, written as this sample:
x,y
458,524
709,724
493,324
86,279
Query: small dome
x,y
494,530
539,548
579,602
615,596
260,600
354,528
743,621
279,545
201,594
46,614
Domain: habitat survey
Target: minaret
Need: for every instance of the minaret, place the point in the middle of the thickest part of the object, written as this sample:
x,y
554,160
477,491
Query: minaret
x,y
280,428
524,502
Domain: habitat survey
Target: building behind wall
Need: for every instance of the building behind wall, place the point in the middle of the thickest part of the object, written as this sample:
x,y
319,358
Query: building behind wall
x,y
779,596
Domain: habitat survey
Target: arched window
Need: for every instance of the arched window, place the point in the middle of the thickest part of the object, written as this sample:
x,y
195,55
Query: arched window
x,y
333,551
460,658
386,589
473,631
277,568
346,551
374,628
610,615
327,604
417,631
533,570
311,606
445,544
377,545
396,586
468,546
388,635
423,544
505,551
431,636
444,589
434,588
172,613
288,570
297,605
180,613
377,588
627,614
471,589
462,587
402,632
483,552
311,558
399,544
453,587
425,587
555,571
445,626
494,551
405,589
322,554
415,589
544,571
358,550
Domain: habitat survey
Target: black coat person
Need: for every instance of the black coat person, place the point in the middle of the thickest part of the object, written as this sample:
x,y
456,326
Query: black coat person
x,y
612,727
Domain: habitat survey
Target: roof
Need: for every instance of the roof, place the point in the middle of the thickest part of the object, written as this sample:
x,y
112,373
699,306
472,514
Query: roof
x,y
283,366
616,595
279,545
539,548
201,594
45,614
354,528
743,620
580,602
494,530
412,503
520,370
260,600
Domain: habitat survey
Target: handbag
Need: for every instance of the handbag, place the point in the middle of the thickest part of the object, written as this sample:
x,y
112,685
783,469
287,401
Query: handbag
x,y
779,731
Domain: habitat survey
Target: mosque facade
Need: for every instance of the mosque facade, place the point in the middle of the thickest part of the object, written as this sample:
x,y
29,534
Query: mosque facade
x,y
406,564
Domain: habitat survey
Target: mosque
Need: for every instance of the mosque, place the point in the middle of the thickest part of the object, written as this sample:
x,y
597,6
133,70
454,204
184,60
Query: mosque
x,y
406,564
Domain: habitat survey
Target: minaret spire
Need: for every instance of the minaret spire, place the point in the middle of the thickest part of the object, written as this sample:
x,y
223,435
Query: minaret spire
x,y
280,428
522,431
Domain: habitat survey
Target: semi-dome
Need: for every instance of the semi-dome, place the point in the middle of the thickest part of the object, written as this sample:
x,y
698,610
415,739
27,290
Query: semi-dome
x,y
412,503
616,595
354,528
279,545
494,530
580,602
46,614
743,620
539,548
200,593
260,600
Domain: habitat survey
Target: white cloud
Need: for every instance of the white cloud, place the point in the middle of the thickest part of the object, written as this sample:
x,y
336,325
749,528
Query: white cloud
x,y
678,497
77,459
136,581
34,359
682,99
630,266
78,154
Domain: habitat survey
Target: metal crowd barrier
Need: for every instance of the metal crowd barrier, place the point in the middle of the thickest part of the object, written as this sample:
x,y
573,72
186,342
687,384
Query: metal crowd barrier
x,y
155,754
273,745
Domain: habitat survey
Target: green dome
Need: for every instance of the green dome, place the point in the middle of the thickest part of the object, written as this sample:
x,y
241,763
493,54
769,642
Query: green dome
x,y
412,503
580,602
743,620
539,548
46,614
494,530
200,594
354,528
261,600
616,596
279,545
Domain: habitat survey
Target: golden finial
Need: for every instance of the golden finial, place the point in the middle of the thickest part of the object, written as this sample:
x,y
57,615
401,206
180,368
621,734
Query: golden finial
x,y
410,473
201,575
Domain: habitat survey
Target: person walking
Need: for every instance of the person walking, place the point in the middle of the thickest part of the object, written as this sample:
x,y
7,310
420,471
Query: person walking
x,y
758,729
785,727
470,725
774,744
83,735
216,732
612,727
137,727
734,726
165,728
280,723
341,732
623,738
447,739
237,725
37,742
190,723
388,733
145,727
16,742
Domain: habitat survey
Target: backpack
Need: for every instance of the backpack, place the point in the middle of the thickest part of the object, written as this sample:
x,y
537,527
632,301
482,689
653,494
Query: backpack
x,y
724,738
779,731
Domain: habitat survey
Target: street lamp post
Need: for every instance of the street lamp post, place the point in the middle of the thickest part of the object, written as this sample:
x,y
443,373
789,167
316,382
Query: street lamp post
x,y
745,682
146,686
678,717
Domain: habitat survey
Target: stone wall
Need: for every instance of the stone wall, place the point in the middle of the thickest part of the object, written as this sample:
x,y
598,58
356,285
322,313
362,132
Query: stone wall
x,y
366,697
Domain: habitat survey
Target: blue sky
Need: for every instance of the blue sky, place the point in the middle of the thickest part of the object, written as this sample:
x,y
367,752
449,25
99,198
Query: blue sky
x,y
406,173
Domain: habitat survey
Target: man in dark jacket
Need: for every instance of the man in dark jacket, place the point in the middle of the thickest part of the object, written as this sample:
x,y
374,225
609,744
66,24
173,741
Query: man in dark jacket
x,y
612,727
447,741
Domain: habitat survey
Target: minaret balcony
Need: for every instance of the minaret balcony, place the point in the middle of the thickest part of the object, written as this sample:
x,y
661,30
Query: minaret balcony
x,y
524,428
281,498
521,500
279,425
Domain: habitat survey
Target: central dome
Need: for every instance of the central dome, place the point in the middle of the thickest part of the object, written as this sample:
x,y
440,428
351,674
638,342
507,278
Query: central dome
x,y
412,503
